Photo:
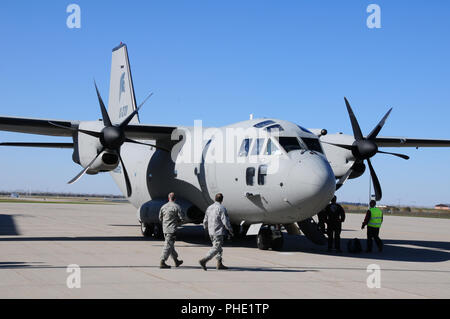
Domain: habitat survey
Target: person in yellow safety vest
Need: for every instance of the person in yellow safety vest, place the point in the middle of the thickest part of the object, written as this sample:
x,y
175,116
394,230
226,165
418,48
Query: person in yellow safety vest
x,y
373,220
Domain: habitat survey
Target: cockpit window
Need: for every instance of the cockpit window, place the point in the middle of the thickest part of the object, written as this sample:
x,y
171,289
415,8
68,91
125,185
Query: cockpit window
x,y
312,144
245,147
271,148
304,129
264,123
257,146
275,127
289,143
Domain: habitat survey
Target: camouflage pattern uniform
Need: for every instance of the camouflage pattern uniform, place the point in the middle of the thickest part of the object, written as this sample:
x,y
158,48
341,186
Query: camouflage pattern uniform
x,y
171,217
216,221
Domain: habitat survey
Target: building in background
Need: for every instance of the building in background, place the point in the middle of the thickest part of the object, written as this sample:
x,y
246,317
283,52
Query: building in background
x,y
442,206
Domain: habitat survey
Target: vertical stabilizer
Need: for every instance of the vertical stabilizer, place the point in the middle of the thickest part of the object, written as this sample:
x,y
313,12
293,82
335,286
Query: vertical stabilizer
x,y
122,101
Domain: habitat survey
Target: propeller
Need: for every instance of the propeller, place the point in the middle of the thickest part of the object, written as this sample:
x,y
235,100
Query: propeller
x,y
364,148
112,137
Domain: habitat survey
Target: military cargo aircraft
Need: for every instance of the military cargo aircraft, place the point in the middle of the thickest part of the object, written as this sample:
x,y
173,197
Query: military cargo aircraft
x,y
272,173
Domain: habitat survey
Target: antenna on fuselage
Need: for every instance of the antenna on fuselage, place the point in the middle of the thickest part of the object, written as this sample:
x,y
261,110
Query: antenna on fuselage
x,y
251,116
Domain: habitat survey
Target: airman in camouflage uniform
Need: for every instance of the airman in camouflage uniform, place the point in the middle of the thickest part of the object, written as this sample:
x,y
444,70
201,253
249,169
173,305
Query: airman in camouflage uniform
x,y
217,222
171,217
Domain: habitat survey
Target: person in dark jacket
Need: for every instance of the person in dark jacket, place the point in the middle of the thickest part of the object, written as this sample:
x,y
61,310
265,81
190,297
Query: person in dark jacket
x,y
335,216
322,216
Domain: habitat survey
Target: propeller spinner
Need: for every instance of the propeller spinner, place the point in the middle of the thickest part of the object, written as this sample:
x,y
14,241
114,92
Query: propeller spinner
x,y
112,137
364,148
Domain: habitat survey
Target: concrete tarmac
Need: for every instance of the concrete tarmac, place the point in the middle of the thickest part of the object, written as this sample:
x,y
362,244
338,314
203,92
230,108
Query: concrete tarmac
x,y
39,241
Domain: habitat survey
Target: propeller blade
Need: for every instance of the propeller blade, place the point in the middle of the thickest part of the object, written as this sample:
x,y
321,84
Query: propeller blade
x,y
343,179
141,143
347,147
127,180
376,182
378,128
130,117
73,180
355,126
105,116
406,157
92,133
149,96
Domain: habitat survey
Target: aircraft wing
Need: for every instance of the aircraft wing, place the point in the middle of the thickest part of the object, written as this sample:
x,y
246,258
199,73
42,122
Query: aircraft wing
x,y
410,142
45,127
40,145
36,126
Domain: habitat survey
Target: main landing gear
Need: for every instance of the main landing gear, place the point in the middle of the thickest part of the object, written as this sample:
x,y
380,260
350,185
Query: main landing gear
x,y
152,230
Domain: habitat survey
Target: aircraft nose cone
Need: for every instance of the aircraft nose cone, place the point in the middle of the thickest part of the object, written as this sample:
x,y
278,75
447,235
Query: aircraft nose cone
x,y
315,182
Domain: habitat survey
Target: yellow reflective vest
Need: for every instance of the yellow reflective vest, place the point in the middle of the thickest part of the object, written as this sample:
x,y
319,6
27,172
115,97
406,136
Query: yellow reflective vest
x,y
376,217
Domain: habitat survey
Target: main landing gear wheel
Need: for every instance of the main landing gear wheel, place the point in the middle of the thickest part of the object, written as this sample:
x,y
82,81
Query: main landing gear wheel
x,y
147,229
152,230
158,231
270,238
264,238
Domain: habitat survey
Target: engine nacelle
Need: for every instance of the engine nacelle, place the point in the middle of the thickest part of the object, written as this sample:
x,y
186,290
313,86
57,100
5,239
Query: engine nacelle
x,y
149,212
87,147
340,159
106,162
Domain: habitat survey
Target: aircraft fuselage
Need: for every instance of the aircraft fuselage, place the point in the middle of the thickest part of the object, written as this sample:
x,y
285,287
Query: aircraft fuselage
x,y
262,181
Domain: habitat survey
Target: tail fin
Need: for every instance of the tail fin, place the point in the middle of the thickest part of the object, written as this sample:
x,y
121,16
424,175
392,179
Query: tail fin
x,y
122,101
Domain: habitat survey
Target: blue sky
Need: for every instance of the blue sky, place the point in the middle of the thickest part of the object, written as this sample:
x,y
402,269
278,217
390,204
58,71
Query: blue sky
x,y
221,61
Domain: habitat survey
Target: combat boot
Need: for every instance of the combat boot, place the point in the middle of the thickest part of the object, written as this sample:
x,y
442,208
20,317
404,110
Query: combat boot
x,y
178,262
202,263
163,265
221,266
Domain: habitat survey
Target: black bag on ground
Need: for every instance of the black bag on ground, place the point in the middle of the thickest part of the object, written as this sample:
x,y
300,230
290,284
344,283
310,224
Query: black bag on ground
x,y
354,246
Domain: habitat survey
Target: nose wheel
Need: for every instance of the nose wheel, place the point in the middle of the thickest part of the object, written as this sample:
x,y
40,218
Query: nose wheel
x,y
270,237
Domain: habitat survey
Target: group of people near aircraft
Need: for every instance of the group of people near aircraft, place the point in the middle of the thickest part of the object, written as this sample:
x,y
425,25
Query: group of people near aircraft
x,y
217,223
334,215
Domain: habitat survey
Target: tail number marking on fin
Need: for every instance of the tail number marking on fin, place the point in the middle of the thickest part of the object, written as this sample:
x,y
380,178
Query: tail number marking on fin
x,y
123,111
122,85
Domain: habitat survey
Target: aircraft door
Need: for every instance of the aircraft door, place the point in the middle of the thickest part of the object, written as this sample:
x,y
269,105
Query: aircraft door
x,y
261,174
210,168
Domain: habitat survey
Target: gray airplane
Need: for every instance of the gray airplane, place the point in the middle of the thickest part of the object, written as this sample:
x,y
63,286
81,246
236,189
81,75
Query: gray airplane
x,y
273,173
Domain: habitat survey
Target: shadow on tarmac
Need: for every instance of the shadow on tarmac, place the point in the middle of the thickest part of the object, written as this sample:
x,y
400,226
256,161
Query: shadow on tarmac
x,y
8,226
394,250
35,265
